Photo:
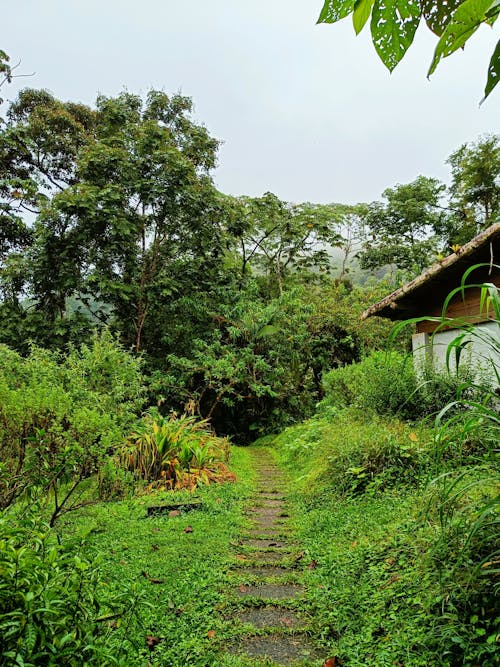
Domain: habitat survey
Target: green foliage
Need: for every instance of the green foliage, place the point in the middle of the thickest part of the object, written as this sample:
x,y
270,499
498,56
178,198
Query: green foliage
x,y
174,450
394,24
384,383
54,607
181,575
60,418
475,187
346,454
402,230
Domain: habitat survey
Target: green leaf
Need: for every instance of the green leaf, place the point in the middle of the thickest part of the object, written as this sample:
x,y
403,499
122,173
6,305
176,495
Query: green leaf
x,y
393,27
361,14
466,20
437,15
493,72
335,10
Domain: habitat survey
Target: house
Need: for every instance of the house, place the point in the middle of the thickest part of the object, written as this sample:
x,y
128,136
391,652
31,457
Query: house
x,y
425,296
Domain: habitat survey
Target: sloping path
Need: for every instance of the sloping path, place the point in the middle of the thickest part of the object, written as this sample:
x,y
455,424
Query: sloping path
x,y
266,580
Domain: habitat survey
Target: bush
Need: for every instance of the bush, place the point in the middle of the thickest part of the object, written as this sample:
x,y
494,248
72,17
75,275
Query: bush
x,y
53,606
176,451
383,383
350,455
61,418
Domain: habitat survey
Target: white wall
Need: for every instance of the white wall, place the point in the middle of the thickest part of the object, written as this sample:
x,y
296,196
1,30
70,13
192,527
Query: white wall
x,y
482,350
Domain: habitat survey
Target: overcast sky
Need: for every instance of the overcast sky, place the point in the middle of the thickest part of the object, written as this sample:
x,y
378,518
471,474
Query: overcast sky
x,y
305,111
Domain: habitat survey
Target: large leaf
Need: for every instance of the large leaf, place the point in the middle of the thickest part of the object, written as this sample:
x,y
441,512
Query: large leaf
x,y
493,71
334,10
393,27
438,14
361,14
466,20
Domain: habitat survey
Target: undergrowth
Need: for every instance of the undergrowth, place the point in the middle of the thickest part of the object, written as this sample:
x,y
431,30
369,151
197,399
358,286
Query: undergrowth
x,y
394,581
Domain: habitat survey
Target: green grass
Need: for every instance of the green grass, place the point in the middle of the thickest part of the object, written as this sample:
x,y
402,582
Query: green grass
x,y
183,611
387,586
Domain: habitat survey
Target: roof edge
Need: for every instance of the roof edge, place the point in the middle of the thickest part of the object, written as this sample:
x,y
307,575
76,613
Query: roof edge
x,y
466,250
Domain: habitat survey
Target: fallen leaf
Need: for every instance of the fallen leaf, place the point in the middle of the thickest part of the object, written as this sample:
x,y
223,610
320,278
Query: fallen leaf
x,y
240,557
152,641
313,565
243,588
188,529
151,580
211,634
330,662
174,513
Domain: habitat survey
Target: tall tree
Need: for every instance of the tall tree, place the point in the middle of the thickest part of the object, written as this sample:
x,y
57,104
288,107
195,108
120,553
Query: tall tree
x,y
279,238
403,228
127,218
475,186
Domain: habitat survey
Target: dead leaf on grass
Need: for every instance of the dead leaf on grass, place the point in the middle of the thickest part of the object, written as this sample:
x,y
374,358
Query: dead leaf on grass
x,y
152,641
211,634
188,529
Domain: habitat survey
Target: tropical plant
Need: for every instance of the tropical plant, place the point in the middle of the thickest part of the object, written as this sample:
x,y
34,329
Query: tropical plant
x,y
394,24
54,608
175,451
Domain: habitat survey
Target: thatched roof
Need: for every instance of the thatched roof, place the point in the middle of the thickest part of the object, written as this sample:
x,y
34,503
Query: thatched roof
x,y
431,288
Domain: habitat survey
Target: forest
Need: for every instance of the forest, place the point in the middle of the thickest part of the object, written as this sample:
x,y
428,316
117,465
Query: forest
x,y
157,332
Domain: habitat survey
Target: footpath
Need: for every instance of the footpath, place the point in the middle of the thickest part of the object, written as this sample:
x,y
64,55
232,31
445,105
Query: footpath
x,y
266,582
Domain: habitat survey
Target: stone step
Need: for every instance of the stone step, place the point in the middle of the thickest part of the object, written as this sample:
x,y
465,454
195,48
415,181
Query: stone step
x,y
270,616
270,591
281,649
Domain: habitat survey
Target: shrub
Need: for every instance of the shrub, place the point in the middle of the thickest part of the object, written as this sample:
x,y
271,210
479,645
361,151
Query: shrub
x,y
177,451
384,383
351,455
60,418
54,609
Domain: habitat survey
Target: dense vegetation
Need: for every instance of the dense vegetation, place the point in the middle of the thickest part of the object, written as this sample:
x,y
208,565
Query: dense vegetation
x,y
148,317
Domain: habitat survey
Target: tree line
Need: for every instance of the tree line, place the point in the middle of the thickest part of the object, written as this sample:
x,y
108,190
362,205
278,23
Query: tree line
x,y
110,218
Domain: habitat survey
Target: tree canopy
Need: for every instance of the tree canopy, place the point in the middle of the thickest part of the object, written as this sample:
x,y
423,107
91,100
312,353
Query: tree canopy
x,y
393,24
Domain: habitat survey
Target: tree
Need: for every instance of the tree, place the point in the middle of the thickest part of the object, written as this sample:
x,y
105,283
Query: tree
x,y
402,229
5,70
127,218
279,238
475,186
394,23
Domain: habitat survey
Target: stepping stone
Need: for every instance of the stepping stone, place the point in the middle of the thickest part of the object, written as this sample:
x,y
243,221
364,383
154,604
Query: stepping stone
x,y
266,533
271,591
269,617
264,544
282,649
263,571
269,556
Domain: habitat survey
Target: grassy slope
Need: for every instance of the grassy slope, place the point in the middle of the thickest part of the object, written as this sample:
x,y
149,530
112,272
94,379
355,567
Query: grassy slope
x,y
383,587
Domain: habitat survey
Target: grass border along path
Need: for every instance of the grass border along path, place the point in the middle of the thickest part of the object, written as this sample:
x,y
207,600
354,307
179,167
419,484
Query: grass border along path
x,y
195,574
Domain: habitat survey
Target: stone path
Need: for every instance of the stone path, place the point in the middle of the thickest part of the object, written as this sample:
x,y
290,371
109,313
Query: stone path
x,y
267,579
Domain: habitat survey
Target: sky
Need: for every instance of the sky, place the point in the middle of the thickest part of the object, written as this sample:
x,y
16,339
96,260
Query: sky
x,y
306,111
